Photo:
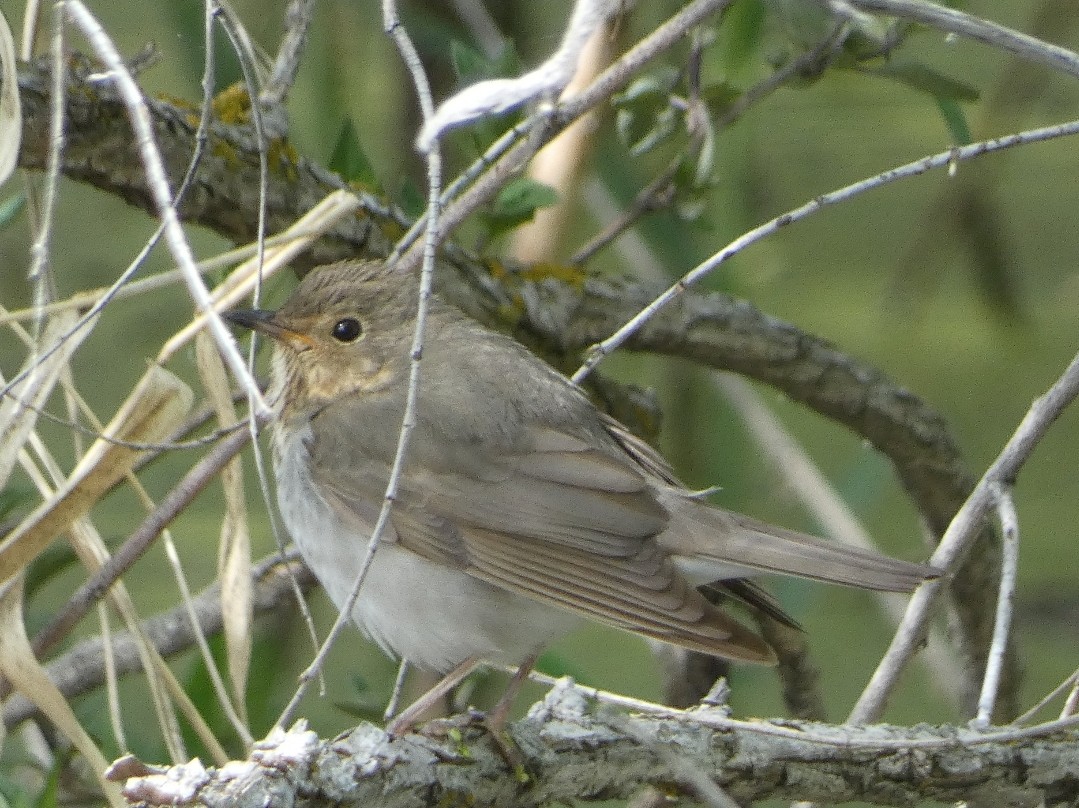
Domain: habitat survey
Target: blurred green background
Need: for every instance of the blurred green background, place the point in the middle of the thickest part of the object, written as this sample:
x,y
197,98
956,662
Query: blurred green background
x,y
976,319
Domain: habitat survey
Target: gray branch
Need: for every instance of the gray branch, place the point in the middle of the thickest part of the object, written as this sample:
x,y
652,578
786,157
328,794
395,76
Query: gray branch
x,y
573,755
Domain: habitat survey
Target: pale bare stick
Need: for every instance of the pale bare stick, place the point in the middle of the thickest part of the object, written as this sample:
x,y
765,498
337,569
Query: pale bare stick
x,y
1009,525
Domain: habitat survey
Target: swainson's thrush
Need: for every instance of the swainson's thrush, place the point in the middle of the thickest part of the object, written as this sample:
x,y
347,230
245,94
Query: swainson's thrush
x,y
522,508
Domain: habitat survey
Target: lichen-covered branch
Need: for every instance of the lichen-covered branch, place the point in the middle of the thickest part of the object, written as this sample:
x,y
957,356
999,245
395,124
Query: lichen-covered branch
x,y
98,150
574,755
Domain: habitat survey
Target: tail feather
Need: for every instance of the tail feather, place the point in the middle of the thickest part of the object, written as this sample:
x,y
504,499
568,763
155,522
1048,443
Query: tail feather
x,y
713,544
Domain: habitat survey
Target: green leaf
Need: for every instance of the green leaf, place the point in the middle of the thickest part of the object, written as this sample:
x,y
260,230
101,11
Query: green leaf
x,y
924,79
955,119
11,207
743,25
719,95
412,202
650,89
349,159
519,200
50,794
470,65
642,133
53,561
805,22
645,117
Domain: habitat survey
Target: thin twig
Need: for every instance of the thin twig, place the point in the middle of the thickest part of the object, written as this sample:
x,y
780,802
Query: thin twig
x,y
39,250
1070,681
1072,703
966,25
829,511
660,192
1009,524
84,300
216,680
496,96
132,549
112,689
298,17
481,25
394,701
941,160
550,119
82,668
412,62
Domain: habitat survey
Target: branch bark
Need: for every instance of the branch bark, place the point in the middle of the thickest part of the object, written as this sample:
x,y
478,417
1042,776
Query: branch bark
x,y
575,756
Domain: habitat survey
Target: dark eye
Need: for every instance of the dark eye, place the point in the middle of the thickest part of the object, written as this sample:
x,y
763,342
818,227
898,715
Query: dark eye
x,y
347,330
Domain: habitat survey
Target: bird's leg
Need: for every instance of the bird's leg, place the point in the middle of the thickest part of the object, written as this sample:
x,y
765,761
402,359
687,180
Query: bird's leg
x,y
404,722
496,718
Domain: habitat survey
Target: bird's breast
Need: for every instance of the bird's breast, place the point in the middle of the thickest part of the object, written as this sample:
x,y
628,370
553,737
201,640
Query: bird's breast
x,y
432,614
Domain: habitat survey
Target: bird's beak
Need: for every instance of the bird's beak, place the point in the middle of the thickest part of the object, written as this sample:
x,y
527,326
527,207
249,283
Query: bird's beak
x,y
259,320
266,322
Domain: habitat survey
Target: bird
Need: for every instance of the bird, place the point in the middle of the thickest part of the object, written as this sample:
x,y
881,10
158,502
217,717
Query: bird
x,y
522,509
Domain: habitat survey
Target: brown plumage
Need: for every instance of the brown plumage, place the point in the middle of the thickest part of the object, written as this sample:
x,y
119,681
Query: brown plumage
x,y
521,507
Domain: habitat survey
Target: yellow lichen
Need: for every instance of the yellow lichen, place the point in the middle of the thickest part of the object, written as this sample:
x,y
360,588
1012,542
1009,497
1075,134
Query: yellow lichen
x,y
390,228
281,156
225,150
567,273
233,105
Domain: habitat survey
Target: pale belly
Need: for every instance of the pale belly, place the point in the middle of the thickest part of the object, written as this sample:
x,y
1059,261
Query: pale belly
x,y
432,615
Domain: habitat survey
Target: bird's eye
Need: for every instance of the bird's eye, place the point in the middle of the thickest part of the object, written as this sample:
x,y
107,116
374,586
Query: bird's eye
x,y
347,330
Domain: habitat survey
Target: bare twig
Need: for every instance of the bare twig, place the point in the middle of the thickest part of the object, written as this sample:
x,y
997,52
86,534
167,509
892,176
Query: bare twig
x,y
495,96
132,549
1070,681
1009,523
1072,703
82,668
830,512
481,24
298,17
549,121
660,192
412,61
963,24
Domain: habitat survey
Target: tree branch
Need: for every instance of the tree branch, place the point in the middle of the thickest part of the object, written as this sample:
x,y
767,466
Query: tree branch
x,y
576,756
98,151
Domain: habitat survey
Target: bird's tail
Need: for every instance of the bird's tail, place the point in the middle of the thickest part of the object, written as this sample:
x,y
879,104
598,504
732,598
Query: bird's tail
x,y
712,544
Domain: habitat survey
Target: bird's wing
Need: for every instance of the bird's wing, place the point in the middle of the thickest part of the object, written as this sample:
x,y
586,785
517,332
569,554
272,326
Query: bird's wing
x,y
553,518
